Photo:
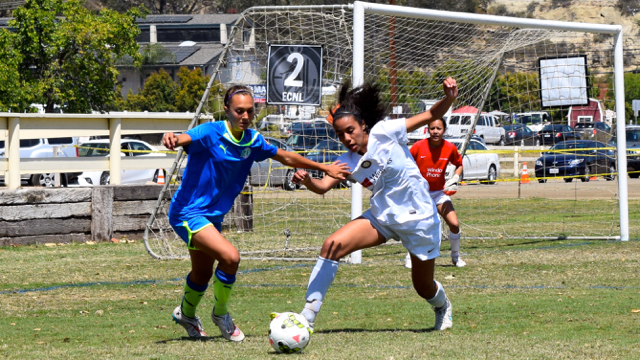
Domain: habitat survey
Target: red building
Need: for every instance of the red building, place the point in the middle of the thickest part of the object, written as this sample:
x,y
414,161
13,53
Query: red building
x,y
586,113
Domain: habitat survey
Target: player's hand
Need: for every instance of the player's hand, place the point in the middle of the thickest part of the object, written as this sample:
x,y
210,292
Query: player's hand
x,y
338,170
300,176
169,140
452,184
450,88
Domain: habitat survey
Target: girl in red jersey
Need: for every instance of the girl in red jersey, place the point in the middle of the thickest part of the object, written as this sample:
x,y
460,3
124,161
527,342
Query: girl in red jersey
x,y
432,156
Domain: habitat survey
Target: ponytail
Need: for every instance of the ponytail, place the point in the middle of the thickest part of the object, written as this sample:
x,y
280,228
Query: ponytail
x,y
362,102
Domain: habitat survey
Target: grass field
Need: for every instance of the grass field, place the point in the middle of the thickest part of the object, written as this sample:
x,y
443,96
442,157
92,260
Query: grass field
x,y
515,299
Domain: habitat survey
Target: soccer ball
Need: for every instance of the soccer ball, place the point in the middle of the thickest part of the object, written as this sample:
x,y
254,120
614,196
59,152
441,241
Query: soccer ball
x,y
288,332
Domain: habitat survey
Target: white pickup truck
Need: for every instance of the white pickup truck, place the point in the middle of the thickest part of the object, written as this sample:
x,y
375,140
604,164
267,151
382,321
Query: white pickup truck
x,y
488,127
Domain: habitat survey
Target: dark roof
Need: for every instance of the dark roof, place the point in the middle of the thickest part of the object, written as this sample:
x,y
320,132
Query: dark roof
x,y
205,54
196,19
163,19
198,55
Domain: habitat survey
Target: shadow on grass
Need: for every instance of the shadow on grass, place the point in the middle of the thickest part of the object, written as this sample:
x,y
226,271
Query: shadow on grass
x,y
202,339
372,331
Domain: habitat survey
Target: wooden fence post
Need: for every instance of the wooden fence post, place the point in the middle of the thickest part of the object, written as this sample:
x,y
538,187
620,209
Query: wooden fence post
x,y
243,209
102,213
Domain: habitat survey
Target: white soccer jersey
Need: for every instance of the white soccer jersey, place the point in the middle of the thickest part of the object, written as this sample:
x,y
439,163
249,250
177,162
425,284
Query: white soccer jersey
x,y
400,195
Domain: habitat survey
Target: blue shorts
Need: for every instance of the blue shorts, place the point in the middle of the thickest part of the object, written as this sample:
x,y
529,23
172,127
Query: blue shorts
x,y
186,228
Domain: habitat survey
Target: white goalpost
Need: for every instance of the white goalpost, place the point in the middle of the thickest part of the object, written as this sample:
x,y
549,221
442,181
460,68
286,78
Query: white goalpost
x,y
409,51
360,9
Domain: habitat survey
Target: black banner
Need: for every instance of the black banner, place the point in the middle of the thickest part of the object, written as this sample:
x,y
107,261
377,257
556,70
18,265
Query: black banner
x,y
294,75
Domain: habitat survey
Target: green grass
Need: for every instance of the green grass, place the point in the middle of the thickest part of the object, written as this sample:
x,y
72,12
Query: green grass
x,y
515,299
312,219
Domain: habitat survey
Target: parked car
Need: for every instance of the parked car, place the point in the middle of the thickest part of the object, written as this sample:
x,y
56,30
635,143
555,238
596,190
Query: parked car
x,y
518,134
305,139
488,127
44,148
534,120
555,133
633,150
326,151
582,158
297,126
130,147
598,131
271,172
476,166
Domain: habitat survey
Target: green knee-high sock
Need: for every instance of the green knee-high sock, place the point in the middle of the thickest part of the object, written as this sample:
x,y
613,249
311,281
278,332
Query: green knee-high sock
x,y
192,296
222,286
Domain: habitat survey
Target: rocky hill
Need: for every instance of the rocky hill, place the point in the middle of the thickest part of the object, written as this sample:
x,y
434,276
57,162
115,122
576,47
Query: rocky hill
x,y
587,11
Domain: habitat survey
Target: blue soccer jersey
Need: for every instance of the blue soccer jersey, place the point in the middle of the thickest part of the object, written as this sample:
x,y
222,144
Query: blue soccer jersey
x,y
217,168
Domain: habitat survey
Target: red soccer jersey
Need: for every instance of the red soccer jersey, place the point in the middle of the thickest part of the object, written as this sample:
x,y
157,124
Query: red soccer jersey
x,y
433,161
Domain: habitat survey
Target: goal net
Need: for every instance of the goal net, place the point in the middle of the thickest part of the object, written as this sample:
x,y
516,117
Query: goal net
x,y
498,67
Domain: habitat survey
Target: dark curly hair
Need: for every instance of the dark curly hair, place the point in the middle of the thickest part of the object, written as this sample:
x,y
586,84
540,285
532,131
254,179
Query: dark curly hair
x,y
362,102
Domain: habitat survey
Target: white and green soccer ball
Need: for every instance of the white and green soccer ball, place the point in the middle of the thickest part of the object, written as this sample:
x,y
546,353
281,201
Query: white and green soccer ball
x,y
288,332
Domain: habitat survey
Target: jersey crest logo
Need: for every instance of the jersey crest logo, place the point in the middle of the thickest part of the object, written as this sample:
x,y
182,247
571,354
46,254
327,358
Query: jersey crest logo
x,y
245,153
366,164
223,148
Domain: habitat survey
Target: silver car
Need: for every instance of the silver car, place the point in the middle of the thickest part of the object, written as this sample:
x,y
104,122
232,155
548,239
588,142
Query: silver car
x,y
272,173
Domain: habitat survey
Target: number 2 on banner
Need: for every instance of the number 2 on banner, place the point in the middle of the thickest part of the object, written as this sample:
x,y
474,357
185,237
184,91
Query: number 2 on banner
x,y
290,80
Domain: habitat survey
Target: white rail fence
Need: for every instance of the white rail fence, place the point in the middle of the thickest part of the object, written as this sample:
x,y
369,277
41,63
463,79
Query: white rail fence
x,y
17,126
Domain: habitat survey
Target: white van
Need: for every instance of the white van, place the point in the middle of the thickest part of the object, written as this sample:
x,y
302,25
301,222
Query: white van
x,y
534,120
423,131
488,127
43,148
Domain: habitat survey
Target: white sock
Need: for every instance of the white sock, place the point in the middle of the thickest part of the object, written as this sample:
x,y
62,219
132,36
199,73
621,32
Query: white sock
x,y
321,278
440,299
454,240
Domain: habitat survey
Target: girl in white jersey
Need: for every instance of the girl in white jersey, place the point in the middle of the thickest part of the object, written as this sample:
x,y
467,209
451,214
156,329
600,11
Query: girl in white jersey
x,y
401,207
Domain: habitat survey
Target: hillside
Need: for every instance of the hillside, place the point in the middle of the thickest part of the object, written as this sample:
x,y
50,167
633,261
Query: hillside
x,y
588,11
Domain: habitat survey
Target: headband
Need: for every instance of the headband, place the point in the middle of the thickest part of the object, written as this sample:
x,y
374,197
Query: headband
x,y
340,112
235,92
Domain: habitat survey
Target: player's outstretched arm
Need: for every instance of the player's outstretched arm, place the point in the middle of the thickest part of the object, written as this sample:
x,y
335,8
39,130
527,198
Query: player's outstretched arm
x,y
318,186
336,170
171,141
438,110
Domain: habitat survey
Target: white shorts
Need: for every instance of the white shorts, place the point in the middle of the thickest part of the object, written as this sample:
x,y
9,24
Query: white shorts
x,y
439,197
420,237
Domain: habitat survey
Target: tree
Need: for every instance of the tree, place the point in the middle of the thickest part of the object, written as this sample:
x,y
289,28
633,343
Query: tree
x,y
13,94
631,92
158,94
67,54
192,86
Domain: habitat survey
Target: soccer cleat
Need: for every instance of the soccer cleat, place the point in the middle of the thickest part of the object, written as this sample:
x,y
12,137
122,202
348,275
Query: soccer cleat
x,y
407,261
458,262
444,317
228,329
192,325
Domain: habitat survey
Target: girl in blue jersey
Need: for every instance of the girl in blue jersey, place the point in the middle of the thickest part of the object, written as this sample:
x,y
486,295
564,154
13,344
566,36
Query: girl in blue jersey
x,y
220,155
401,206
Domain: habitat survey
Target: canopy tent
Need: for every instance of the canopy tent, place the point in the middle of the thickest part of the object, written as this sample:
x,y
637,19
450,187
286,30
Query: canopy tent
x,y
466,110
